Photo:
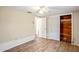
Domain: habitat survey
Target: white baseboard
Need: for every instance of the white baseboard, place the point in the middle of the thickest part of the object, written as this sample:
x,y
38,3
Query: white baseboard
x,y
14,43
75,43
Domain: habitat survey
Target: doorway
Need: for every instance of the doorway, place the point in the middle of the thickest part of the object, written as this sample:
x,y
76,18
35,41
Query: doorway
x,y
65,28
40,27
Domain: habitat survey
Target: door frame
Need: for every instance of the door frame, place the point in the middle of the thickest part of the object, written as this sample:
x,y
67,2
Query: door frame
x,y
72,41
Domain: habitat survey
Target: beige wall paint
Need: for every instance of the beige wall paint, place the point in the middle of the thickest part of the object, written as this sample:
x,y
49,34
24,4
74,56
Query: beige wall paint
x,y
15,24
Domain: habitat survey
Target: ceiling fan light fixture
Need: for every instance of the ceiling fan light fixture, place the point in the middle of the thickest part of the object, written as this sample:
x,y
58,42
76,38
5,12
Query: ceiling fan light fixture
x,y
41,12
40,9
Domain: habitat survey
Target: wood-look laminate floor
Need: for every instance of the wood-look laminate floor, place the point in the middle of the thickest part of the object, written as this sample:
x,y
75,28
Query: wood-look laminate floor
x,y
44,45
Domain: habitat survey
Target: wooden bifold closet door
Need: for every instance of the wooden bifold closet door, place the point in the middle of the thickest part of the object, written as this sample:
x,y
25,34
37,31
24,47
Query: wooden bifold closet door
x,y
65,28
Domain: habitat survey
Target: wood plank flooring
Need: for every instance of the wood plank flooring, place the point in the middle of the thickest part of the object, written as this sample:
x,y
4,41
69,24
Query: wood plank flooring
x,y
44,45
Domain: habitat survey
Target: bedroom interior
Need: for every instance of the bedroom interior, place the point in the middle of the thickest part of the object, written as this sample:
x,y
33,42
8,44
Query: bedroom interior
x,y
39,28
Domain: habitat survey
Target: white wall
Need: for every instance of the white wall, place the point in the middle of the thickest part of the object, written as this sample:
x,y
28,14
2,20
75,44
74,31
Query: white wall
x,y
53,24
76,28
48,28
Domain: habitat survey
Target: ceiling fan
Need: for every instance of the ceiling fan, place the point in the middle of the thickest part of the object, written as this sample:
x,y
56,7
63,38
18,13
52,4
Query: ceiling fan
x,y
40,9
